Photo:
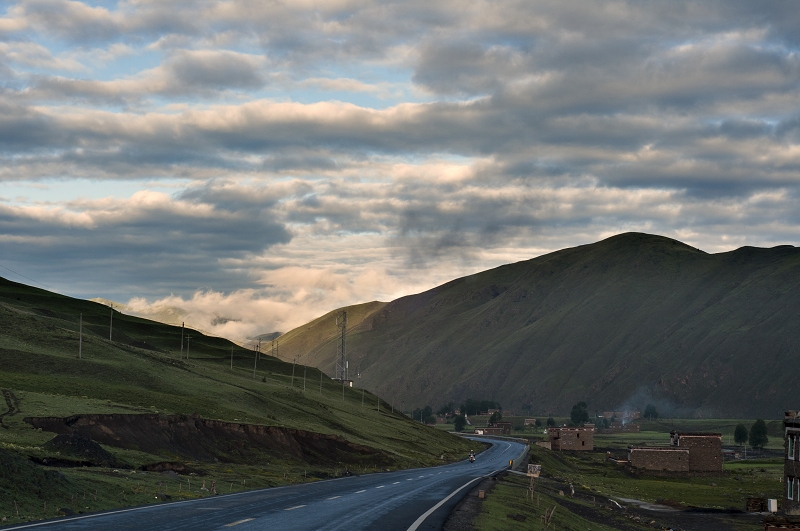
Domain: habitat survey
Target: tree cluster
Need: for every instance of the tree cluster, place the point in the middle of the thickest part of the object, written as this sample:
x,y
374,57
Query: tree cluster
x,y
756,437
424,414
579,414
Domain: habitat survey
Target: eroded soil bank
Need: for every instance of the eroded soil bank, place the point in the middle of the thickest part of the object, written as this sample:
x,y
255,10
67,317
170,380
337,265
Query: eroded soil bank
x,y
199,439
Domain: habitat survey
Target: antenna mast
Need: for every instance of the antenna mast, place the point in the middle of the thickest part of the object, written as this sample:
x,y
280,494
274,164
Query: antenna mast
x,y
341,358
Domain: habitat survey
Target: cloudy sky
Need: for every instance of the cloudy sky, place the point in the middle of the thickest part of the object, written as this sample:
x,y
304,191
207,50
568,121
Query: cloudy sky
x,y
255,164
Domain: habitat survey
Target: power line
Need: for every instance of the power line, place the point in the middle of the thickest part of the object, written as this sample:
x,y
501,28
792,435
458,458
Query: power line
x,y
27,278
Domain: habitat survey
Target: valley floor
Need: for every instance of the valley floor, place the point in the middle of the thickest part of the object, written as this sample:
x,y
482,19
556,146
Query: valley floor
x,y
606,497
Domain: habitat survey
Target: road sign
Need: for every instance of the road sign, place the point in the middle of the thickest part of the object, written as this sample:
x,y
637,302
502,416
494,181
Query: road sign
x,y
534,470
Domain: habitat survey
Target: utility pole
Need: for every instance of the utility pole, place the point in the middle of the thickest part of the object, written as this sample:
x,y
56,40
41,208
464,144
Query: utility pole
x,y
320,382
341,365
362,397
231,357
188,341
80,336
182,324
111,322
294,361
255,361
259,348
305,368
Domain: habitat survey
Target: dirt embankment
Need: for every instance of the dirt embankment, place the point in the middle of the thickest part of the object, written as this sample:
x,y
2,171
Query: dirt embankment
x,y
195,438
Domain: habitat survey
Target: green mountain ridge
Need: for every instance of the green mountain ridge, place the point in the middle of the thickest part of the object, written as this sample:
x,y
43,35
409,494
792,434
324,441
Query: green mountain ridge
x,y
142,369
632,319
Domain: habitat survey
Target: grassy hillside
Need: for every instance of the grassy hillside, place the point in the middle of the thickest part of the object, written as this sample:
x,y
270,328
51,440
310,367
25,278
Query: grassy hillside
x,y
315,342
141,371
632,319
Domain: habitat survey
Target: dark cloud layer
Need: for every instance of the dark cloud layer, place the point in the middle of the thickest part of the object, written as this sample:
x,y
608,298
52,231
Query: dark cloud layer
x,y
436,135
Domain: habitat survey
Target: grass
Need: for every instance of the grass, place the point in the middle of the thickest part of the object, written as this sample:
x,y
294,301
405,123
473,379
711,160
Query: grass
x,y
507,507
596,479
141,371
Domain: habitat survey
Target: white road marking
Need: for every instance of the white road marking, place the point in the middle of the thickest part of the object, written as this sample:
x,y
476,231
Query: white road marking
x,y
380,487
395,483
293,508
359,492
333,497
427,513
409,479
237,522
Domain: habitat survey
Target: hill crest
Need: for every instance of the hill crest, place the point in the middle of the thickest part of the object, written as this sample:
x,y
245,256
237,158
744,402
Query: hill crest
x,y
633,315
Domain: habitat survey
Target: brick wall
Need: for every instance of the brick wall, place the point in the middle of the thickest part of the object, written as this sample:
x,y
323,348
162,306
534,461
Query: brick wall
x,y
705,452
577,439
660,459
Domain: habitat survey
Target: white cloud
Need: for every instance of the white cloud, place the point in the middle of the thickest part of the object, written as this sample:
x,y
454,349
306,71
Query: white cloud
x,y
502,131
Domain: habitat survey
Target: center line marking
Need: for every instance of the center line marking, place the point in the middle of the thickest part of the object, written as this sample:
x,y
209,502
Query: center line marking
x,y
238,522
293,508
395,483
409,479
380,487
359,492
333,497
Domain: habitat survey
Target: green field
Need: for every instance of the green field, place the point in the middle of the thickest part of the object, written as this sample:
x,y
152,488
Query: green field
x,y
141,371
720,499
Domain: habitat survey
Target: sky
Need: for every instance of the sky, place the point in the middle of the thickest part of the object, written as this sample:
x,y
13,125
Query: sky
x,y
246,166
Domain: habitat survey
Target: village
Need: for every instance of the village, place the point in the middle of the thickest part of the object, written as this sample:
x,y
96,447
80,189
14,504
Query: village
x,y
630,443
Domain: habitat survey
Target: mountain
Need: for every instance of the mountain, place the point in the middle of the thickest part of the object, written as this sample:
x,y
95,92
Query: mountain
x,y
630,320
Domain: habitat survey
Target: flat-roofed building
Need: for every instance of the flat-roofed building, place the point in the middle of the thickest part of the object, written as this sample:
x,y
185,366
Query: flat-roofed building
x,y
575,439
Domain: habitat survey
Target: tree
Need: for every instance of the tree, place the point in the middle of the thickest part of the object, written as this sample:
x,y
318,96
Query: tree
x,y
758,434
424,415
446,409
538,423
579,414
459,423
650,412
550,422
740,434
496,417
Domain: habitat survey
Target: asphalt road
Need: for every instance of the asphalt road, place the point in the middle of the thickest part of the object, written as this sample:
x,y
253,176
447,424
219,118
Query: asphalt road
x,y
413,499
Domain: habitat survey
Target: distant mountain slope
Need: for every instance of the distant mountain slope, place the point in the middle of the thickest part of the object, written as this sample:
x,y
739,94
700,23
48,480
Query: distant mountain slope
x,y
315,342
632,318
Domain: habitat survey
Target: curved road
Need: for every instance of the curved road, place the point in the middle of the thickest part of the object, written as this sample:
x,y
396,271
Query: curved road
x,y
420,498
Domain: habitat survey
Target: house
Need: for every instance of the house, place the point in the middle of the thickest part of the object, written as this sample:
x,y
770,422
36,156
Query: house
x,y
529,422
791,462
619,427
574,439
687,454
505,426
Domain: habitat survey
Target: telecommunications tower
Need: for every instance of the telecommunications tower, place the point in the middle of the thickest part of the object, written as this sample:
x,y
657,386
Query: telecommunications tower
x,y
341,352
